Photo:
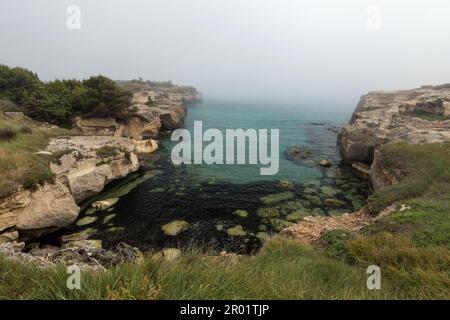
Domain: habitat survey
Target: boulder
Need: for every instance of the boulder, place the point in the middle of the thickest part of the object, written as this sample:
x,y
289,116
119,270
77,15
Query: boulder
x,y
85,170
175,227
333,202
145,146
86,220
325,163
7,220
50,206
9,236
236,231
14,115
105,204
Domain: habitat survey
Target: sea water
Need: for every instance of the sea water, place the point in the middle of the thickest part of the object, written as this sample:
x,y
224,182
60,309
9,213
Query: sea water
x,y
230,207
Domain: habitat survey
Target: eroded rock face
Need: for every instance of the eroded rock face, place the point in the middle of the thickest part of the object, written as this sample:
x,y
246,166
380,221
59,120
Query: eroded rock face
x,y
165,112
49,207
86,170
86,166
380,177
381,117
106,150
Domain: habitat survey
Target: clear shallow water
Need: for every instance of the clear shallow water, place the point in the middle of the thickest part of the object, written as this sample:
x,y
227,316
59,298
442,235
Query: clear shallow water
x,y
207,196
294,124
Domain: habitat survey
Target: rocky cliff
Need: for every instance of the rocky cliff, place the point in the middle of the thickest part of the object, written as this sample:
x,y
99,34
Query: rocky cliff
x,y
105,150
416,116
83,166
153,109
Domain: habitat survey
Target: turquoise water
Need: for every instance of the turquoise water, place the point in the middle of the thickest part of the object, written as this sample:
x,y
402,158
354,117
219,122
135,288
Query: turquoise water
x,y
207,197
294,124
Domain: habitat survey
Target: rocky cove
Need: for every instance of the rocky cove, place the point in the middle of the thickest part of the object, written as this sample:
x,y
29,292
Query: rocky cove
x,y
154,205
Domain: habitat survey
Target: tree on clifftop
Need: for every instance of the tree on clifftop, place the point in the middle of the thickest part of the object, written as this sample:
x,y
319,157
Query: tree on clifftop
x,y
60,100
100,96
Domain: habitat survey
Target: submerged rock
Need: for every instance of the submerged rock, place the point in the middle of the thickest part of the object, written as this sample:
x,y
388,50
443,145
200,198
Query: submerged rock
x,y
309,190
328,191
236,231
281,209
83,235
263,236
175,227
115,229
104,204
86,220
299,155
277,197
333,202
241,213
285,184
315,200
107,219
325,163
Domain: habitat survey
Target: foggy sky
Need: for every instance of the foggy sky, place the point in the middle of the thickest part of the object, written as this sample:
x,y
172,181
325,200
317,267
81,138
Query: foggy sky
x,y
266,50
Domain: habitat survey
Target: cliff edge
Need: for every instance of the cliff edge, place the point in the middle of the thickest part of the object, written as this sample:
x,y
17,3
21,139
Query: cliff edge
x,y
415,116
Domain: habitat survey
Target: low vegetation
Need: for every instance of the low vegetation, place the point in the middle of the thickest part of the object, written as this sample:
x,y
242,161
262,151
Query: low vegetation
x,y
423,171
412,248
60,100
20,165
288,269
429,116
107,152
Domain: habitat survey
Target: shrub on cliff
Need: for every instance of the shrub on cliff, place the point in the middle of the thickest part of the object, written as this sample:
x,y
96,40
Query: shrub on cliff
x,y
7,133
100,97
15,83
60,100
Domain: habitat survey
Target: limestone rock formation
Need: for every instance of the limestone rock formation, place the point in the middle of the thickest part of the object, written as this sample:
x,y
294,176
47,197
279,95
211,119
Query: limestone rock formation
x,y
106,149
416,116
152,109
85,166
93,162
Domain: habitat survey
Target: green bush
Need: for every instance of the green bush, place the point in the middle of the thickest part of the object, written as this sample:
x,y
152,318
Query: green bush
x,y
61,100
15,83
106,152
25,129
7,133
334,242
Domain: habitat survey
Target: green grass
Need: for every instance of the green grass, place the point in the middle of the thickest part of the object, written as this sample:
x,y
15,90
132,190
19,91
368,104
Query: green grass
x,y
424,172
288,271
411,247
282,270
19,165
